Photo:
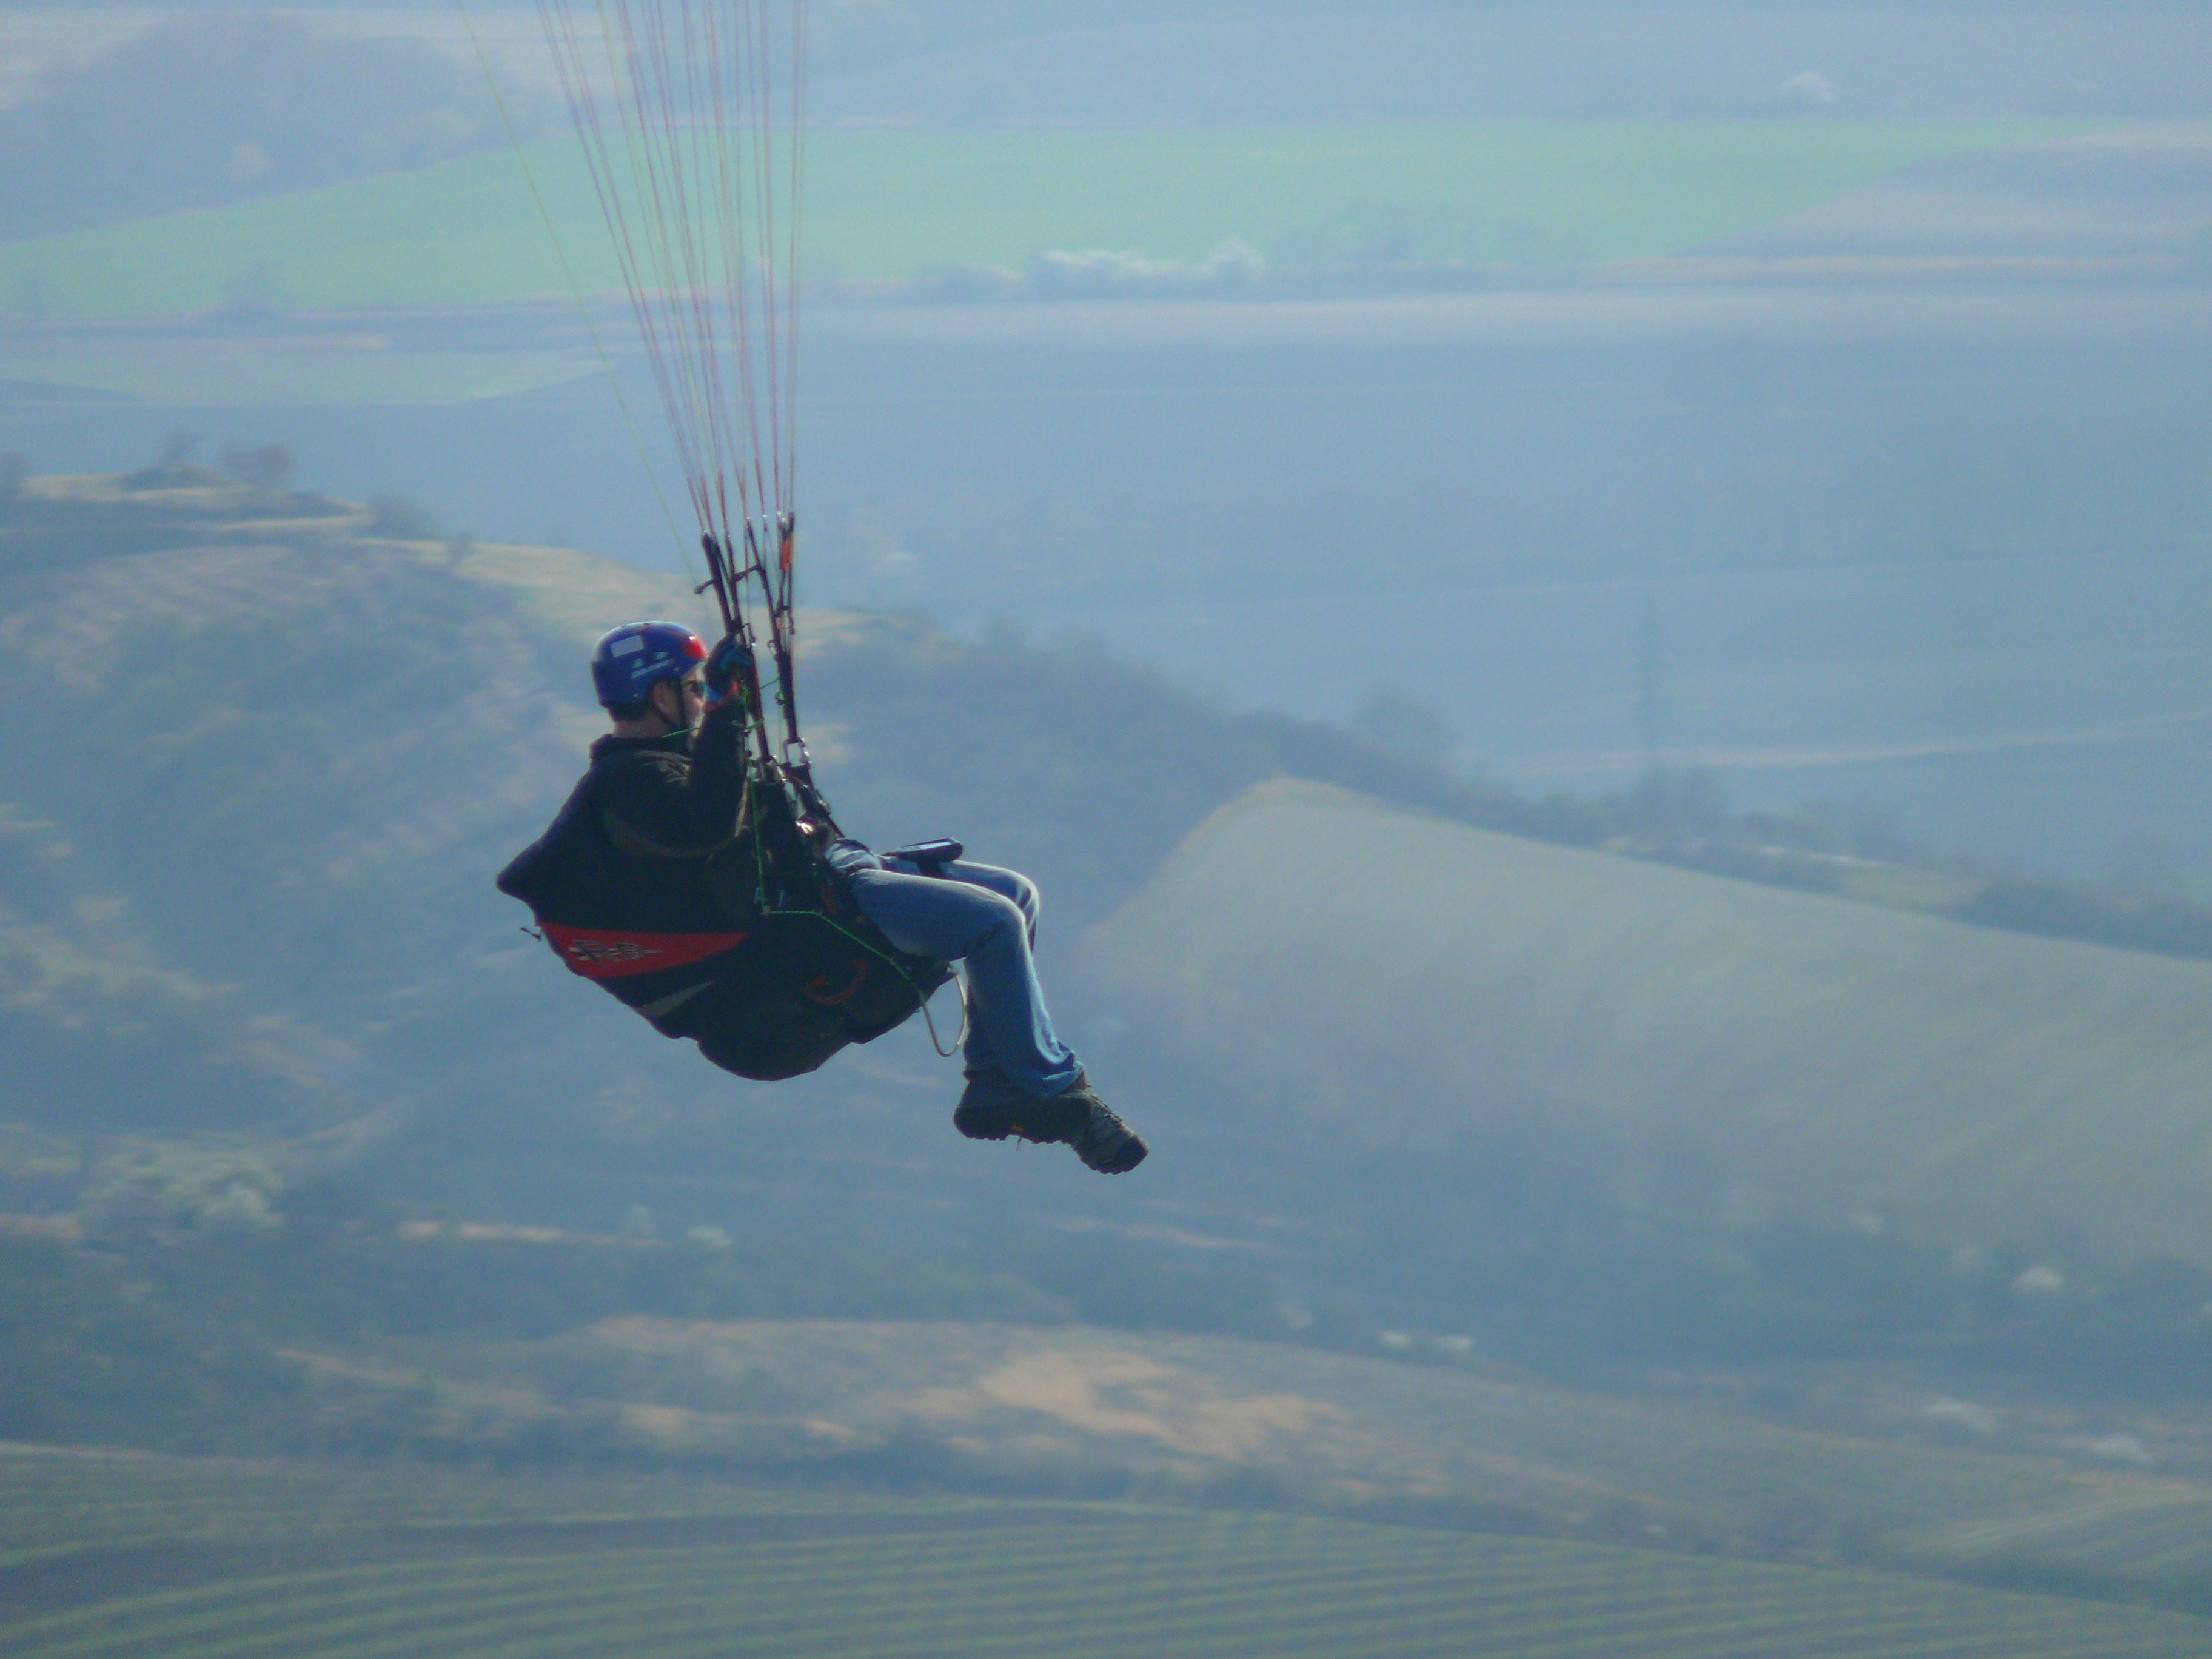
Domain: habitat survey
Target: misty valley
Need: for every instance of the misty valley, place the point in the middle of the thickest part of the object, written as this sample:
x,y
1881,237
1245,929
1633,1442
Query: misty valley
x,y
398,1196
1539,677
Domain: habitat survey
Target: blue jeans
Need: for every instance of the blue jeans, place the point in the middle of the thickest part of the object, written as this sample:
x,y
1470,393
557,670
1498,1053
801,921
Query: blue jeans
x,y
984,918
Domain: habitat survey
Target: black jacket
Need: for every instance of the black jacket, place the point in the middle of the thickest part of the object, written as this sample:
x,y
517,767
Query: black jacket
x,y
648,884
646,873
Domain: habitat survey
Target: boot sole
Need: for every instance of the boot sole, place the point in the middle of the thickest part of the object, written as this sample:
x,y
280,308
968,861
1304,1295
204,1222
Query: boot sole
x,y
1124,1158
978,1127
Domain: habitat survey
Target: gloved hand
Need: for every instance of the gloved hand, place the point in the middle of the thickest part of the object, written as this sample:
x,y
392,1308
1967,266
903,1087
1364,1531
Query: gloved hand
x,y
728,664
848,856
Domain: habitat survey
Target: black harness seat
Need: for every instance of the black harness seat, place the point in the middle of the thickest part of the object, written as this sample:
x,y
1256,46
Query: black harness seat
x,y
689,942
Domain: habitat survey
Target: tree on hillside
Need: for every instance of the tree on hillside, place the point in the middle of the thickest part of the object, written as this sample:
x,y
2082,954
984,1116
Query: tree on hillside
x,y
269,468
1406,726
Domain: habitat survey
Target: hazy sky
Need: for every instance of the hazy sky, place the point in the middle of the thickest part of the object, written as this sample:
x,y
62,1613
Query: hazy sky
x,y
1914,471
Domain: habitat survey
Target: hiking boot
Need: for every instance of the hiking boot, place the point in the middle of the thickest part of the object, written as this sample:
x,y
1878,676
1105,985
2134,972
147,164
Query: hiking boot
x,y
1104,1143
993,1106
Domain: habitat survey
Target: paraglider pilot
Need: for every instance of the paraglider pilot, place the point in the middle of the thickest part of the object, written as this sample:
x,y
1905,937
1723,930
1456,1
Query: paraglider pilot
x,y
642,884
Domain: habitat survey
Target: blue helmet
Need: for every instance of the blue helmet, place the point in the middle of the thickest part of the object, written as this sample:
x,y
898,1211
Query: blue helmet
x,y
628,662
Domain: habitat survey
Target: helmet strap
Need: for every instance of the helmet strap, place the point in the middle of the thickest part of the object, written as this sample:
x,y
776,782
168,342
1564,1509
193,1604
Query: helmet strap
x,y
669,723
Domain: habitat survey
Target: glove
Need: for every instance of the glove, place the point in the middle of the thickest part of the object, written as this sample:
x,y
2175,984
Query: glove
x,y
729,666
848,857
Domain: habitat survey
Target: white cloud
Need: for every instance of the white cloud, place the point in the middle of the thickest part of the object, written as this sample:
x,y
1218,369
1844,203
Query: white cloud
x,y
1234,267
1811,88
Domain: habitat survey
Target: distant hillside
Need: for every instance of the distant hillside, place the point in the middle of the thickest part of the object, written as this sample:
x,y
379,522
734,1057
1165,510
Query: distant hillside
x,y
267,755
1727,1051
266,758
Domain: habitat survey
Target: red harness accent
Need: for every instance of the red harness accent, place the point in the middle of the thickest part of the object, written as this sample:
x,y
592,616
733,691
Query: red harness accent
x,y
820,992
604,953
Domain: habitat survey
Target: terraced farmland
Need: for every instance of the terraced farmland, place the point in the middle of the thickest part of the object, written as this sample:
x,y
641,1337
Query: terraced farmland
x,y
2138,1530
58,1503
891,1578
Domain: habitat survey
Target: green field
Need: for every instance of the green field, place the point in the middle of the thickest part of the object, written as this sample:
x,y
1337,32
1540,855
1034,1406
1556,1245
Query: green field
x,y
1782,1052
887,1577
2140,1531
890,205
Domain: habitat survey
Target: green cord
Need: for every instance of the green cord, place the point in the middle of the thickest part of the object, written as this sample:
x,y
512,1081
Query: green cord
x,y
760,894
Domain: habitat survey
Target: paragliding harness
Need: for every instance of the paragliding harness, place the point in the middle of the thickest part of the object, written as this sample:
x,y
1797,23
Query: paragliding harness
x,y
774,968
853,984
693,133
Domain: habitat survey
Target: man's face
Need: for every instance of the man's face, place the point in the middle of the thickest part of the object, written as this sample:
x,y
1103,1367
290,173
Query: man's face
x,y
686,701
691,696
